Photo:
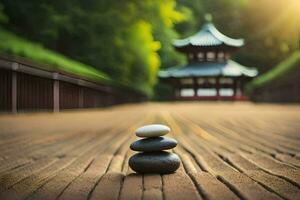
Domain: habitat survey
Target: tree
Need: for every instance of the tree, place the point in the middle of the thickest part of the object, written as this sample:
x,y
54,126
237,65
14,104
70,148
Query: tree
x,y
126,39
271,29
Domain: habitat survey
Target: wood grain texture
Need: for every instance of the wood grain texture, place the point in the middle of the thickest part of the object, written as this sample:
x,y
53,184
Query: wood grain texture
x,y
228,151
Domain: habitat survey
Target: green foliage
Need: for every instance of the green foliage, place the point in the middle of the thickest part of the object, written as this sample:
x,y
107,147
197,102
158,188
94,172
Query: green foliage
x,y
125,39
275,32
163,92
162,15
130,40
194,11
279,70
3,17
142,52
271,29
13,45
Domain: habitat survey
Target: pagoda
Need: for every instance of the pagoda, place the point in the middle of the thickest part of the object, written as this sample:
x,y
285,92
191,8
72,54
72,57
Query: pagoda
x,y
210,74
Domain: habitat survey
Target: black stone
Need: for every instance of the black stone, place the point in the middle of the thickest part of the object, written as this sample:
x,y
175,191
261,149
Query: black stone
x,y
154,162
153,144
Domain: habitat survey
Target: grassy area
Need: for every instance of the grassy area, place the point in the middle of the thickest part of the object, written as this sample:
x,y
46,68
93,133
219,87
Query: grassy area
x,y
275,73
13,45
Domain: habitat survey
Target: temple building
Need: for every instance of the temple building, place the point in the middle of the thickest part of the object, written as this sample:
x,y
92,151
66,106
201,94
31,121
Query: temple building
x,y
210,73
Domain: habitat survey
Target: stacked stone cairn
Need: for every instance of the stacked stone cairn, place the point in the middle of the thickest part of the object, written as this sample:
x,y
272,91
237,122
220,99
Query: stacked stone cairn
x,y
152,157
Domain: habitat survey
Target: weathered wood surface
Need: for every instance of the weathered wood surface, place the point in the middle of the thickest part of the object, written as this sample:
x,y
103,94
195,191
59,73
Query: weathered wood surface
x,y
228,151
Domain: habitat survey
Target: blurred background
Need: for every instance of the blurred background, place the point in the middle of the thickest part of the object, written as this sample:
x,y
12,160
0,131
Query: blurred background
x,y
130,41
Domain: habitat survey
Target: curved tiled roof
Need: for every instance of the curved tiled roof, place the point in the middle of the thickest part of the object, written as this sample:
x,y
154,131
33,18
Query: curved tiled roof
x,y
208,36
227,68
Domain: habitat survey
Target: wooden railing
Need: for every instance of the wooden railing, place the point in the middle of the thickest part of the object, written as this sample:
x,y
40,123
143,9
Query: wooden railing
x,y
24,86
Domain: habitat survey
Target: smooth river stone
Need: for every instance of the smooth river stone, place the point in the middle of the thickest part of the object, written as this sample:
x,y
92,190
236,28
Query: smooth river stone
x,y
154,162
153,130
153,144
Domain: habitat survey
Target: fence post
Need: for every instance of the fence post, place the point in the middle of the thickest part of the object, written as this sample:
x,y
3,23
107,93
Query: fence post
x,y
14,100
80,93
80,101
55,92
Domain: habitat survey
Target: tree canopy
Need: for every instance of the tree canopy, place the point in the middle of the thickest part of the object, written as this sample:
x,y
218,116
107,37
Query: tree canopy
x,y
125,39
131,40
271,29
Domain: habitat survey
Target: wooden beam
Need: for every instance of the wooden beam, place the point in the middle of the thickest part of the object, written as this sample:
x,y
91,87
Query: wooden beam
x,y
195,85
218,87
56,95
27,69
14,88
80,101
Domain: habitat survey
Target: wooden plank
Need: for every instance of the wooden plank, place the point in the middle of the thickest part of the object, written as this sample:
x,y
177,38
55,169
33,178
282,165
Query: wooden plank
x,y
14,92
85,182
12,164
153,188
64,185
288,159
179,186
243,186
12,177
56,95
28,185
132,187
84,154
210,186
273,183
274,167
112,180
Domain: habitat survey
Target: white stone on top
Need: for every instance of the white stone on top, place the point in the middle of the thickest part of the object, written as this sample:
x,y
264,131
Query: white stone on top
x,y
152,130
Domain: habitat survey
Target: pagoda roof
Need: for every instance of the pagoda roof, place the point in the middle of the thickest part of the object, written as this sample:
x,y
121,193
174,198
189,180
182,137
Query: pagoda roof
x,y
227,68
208,36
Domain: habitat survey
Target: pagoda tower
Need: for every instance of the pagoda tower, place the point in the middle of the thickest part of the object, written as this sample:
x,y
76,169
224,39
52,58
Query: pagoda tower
x,y
210,74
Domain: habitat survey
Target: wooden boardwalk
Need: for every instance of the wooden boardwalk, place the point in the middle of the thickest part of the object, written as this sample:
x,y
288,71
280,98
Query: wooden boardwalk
x,y
228,151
